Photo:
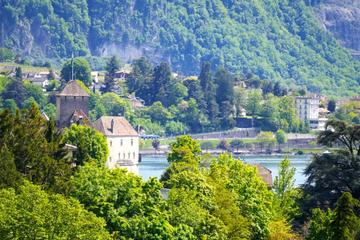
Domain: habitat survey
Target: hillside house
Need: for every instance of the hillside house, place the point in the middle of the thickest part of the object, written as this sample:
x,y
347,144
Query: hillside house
x,y
123,142
307,109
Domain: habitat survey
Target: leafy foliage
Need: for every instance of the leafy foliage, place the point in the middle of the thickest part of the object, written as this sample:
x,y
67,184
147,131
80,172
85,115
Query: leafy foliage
x,y
90,144
31,213
77,68
36,148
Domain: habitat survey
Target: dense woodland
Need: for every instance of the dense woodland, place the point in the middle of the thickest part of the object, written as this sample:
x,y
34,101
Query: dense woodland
x,y
48,192
273,40
174,105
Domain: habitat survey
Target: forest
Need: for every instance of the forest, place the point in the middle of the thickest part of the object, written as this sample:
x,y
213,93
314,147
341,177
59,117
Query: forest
x,y
49,191
273,40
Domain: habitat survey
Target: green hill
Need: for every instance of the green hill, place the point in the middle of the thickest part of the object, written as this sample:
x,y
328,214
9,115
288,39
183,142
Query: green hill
x,y
272,39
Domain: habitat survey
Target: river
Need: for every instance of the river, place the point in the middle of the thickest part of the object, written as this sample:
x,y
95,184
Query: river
x,y
154,165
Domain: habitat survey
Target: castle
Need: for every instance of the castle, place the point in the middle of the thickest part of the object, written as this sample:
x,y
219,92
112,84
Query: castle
x,y
72,107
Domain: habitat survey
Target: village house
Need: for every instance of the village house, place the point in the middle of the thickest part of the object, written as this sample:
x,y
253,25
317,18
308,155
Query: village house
x,y
307,109
123,142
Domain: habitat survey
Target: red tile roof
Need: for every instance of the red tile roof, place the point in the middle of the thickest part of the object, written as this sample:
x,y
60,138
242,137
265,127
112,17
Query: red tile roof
x,y
115,126
72,88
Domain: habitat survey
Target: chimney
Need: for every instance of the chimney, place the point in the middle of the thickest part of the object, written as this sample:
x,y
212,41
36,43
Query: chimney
x,y
112,125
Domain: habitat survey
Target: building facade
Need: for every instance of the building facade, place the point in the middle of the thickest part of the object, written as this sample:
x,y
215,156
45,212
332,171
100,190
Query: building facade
x,y
72,105
123,142
307,109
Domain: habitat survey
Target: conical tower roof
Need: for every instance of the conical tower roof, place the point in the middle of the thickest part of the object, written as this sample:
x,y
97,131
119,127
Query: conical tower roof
x,y
72,88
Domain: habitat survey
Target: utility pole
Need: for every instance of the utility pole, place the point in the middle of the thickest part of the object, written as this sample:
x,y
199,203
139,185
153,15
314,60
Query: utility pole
x,y
2,35
72,66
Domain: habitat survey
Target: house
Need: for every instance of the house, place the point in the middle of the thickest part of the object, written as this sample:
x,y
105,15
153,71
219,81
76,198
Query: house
x,y
135,102
95,76
265,175
307,109
72,105
123,142
122,74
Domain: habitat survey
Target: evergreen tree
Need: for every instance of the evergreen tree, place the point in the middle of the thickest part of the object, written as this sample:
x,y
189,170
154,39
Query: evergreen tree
x,y
225,97
195,91
111,67
139,79
346,224
209,88
161,83
15,89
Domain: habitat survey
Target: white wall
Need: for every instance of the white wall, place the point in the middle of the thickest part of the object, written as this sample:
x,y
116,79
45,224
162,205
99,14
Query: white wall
x,y
124,151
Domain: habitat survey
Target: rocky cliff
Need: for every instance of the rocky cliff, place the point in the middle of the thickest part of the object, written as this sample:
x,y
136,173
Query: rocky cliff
x,y
342,19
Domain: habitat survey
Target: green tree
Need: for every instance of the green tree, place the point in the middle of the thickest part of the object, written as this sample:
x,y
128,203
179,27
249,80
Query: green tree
x,y
6,54
9,176
36,93
31,213
91,145
158,113
207,145
24,133
338,170
112,66
77,68
132,208
15,89
243,180
286,194
162,81
346,223
184,149
331,106
280,136
208,85
175,128
113,105
236,144
254,106
319,225
225,97
139,80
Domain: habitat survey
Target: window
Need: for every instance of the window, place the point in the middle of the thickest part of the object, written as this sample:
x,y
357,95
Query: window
x,y
74,97
110,159
119,156
123,155
83,98
121,142
133,155
110,143
128,155
132,142
65,98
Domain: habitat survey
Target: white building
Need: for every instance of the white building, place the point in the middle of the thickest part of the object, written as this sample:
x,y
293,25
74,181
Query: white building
x,y
307,109
123,142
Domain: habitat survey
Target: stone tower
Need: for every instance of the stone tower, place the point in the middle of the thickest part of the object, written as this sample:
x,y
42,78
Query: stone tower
x,y
72,105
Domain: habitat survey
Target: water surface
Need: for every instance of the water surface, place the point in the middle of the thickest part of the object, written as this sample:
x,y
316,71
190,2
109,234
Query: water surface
x,y
154,166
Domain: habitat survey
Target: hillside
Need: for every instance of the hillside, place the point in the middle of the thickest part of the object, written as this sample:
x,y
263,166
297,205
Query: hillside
x,y
271,39
342,18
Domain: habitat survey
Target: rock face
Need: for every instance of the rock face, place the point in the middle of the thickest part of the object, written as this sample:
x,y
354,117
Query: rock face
x,y
342,19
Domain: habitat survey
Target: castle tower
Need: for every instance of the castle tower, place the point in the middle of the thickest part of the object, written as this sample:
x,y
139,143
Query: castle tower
x,y
72,105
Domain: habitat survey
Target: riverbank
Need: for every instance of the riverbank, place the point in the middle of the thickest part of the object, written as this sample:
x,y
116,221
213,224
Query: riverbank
x,y
155,165
292,152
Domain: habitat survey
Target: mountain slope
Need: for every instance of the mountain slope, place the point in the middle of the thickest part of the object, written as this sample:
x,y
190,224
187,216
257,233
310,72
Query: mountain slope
x,y
272,39
342,18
